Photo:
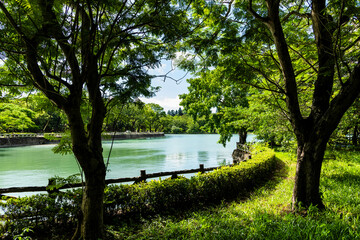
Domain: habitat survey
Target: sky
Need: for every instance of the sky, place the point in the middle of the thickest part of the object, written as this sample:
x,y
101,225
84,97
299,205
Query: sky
x,y
168,97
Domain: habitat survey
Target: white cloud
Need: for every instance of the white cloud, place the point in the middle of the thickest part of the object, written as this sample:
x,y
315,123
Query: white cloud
x,y
167,103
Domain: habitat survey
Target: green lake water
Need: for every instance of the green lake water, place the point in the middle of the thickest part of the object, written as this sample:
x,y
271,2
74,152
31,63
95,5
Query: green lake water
x,y
34,165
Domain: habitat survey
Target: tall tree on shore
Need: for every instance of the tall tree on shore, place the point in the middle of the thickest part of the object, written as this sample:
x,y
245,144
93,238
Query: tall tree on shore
x,y
306,53
96,51
213,91
334,63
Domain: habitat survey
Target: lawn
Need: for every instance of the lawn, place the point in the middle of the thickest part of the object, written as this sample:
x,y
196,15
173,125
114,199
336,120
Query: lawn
x,y
267,214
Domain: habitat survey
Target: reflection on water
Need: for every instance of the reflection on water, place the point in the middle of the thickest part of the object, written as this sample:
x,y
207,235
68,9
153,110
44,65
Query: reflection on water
x,y
33,165
202,156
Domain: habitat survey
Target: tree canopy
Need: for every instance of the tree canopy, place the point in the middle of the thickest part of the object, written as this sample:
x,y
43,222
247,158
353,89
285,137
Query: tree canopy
x,y
93,51
304,56
213,91
305,53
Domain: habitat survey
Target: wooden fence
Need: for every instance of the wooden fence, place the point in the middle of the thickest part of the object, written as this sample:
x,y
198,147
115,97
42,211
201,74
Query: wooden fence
x,y
143,176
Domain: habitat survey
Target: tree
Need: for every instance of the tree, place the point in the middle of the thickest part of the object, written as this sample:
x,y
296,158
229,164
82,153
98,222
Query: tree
x,y
15,118
305,53
213,90
48,117
87,52
153,113
267,121
124,116
330,32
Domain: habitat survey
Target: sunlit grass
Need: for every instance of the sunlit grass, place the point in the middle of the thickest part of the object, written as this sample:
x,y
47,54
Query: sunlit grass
x,y
266,214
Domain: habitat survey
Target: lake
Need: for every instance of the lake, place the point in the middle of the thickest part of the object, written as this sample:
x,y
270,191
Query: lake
x,y
34,165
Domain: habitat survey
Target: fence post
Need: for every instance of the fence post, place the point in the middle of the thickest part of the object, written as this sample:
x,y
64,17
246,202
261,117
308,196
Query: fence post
x,y
202,168
142,176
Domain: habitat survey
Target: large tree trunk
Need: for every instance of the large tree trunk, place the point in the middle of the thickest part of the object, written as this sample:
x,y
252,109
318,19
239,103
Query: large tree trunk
x,y
308,169
87,148
92,203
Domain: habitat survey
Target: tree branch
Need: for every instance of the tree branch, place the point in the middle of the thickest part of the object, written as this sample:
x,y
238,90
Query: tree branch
x,y
255,14
296,13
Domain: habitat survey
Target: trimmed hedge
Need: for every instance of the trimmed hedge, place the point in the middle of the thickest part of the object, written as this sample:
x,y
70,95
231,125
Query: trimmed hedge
x,y
171,195
42,212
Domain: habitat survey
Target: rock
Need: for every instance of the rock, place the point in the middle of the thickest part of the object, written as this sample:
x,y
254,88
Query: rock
x,y
240,156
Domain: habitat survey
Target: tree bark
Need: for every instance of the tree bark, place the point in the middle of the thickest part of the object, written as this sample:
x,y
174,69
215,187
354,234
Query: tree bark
x,y
310,156
92,203
87,149
242,136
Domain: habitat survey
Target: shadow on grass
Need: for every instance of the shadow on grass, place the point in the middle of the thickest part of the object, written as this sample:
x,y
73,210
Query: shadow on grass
x,y
346,178
341,192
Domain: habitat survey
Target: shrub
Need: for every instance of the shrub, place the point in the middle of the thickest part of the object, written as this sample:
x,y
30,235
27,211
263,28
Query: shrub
x,y
60,211
170,195
40,213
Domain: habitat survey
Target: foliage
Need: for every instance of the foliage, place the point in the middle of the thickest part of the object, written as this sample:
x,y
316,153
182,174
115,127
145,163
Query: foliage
x,y
213,90
137,116
132,116
60,210
42,213
347,133
15,118
268,123
64,146
57,182
305,54
170,195
48,117
31,114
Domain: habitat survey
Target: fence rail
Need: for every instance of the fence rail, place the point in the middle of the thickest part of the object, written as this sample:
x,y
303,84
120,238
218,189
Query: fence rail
x,y
143,176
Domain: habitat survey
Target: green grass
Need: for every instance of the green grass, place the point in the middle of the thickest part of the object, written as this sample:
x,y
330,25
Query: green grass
x,y
266,214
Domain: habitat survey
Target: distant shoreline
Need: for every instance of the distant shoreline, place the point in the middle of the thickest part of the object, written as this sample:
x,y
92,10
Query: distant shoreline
x,y
21,140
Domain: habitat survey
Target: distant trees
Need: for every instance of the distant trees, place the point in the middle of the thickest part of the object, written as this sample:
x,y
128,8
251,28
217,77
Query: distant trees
x,y
175,112
140,117
33,114
14,118
36,114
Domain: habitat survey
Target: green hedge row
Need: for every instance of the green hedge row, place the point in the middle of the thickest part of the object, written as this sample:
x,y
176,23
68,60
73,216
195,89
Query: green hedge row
x,y
157,196
171,195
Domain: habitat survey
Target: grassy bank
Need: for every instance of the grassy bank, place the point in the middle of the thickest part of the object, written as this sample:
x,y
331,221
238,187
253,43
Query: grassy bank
x,y
266,214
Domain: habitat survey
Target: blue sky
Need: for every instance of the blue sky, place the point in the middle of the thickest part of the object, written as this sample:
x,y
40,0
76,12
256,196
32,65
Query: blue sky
x,y
167,97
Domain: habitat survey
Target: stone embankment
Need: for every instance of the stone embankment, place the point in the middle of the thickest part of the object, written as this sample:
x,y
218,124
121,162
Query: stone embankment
x,y
17,140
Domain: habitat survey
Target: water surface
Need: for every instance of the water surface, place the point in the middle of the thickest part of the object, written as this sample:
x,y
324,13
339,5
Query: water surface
x,y
34,165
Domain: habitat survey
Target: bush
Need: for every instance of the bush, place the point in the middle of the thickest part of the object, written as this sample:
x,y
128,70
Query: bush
x,y
40,213
60,211
171,195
